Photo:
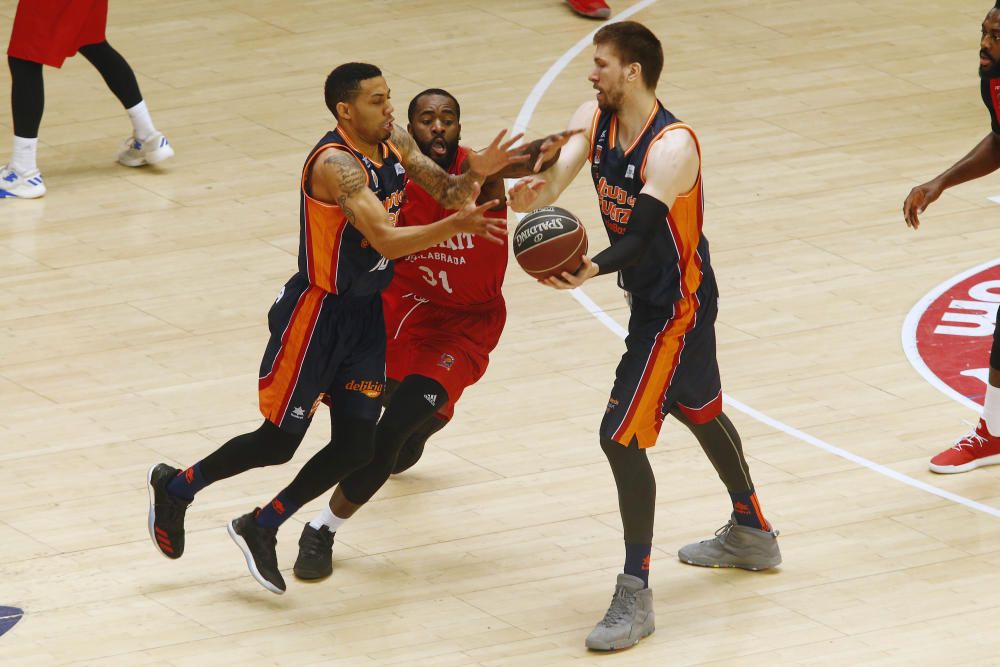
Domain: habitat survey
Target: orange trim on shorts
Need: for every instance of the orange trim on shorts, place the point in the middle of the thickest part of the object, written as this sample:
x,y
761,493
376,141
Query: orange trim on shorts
x,y
275,389
645,412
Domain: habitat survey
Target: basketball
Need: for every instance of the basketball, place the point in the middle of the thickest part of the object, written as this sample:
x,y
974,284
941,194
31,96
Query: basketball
x,y
549,241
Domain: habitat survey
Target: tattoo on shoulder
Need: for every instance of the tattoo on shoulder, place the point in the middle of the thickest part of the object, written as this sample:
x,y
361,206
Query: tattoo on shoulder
x,y
351,179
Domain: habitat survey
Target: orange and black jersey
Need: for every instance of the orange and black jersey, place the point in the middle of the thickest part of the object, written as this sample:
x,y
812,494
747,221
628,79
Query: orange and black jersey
x,y
333,255
990,91
677,261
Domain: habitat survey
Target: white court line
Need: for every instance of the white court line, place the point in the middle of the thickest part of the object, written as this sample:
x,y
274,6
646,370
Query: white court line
x,y
528,108
909,334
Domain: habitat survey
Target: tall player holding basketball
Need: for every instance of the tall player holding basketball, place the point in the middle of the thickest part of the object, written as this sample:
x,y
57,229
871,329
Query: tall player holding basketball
x,y
444,313
327,328
980,447
646,167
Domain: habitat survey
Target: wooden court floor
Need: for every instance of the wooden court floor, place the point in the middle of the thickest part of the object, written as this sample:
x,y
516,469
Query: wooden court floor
x,y
132,319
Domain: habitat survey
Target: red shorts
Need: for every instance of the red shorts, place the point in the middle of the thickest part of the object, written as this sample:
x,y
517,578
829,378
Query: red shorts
x,y
449,345
50,31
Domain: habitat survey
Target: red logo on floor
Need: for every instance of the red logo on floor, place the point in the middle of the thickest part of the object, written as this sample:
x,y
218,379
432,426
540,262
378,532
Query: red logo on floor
x,y
949,333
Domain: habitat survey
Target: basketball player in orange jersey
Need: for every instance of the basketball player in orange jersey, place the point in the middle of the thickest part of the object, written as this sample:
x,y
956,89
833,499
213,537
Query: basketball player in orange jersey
x,y
327,328
646,167
444,313
981,446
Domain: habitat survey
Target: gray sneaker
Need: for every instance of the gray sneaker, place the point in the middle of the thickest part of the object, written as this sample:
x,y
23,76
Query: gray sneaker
x,y
735,546
629,618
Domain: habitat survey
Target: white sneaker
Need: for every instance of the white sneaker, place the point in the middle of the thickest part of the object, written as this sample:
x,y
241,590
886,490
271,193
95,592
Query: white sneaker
x,y
135,153
27,185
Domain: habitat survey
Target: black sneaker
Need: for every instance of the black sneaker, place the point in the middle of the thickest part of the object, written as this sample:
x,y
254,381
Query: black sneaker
x,y
258,545
166,512
315,560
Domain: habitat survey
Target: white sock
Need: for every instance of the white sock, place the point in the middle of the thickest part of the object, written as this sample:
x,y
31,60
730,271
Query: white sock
x,y
23,159
142,122
327,518
991,409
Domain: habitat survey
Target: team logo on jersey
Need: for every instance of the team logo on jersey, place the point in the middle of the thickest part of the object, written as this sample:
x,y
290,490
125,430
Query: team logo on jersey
x,y
446,361
948,335
369,388
281,293
400,171
374,177
597,153
630,171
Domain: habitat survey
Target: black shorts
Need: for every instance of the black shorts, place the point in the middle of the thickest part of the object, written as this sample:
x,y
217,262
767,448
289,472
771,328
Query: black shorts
x,y
669,362
321,345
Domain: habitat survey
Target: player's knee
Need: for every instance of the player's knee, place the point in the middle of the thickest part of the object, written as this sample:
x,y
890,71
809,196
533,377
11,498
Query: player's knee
x,y
355,440
281,445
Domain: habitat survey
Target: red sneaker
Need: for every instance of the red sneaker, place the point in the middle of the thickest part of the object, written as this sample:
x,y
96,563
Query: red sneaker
x,y
594,9
975,449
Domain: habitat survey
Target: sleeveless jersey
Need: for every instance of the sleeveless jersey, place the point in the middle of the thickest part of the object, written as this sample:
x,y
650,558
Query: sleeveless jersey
x,y
465,270
333,255
677,261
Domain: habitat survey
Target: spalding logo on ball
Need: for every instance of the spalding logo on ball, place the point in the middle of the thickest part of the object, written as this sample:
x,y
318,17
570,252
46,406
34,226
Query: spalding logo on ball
x,y
549,241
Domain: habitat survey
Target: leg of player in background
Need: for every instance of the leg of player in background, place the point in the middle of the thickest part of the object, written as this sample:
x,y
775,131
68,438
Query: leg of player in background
x,y
414,402
981,446
146,145
747,541
20,177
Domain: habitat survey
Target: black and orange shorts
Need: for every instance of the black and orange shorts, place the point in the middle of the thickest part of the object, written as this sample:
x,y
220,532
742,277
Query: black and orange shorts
x,y
322,346
669,361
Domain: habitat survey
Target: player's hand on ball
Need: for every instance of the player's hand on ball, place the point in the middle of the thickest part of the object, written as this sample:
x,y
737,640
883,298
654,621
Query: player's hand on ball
x,y
919,199
472,219
568,280
523,194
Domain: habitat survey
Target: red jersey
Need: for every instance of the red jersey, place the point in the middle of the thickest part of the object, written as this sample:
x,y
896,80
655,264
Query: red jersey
x,y
465,270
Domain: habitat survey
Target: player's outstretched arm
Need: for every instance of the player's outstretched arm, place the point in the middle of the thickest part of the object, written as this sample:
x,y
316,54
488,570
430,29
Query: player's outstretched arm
x,y
671,169
544,188
982,160
449,190
338,178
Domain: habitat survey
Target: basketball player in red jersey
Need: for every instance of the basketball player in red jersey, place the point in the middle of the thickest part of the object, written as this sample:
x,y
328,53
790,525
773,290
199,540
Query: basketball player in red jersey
x,y
46,32
327,327
981,446
444,313
646,167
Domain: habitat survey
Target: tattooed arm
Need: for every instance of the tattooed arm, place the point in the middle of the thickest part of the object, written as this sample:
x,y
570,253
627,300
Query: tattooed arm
x,y
449,190
338,178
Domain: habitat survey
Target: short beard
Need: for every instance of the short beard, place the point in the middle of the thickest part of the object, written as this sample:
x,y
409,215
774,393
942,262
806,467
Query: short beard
x,y
610,104
444,161
990,72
